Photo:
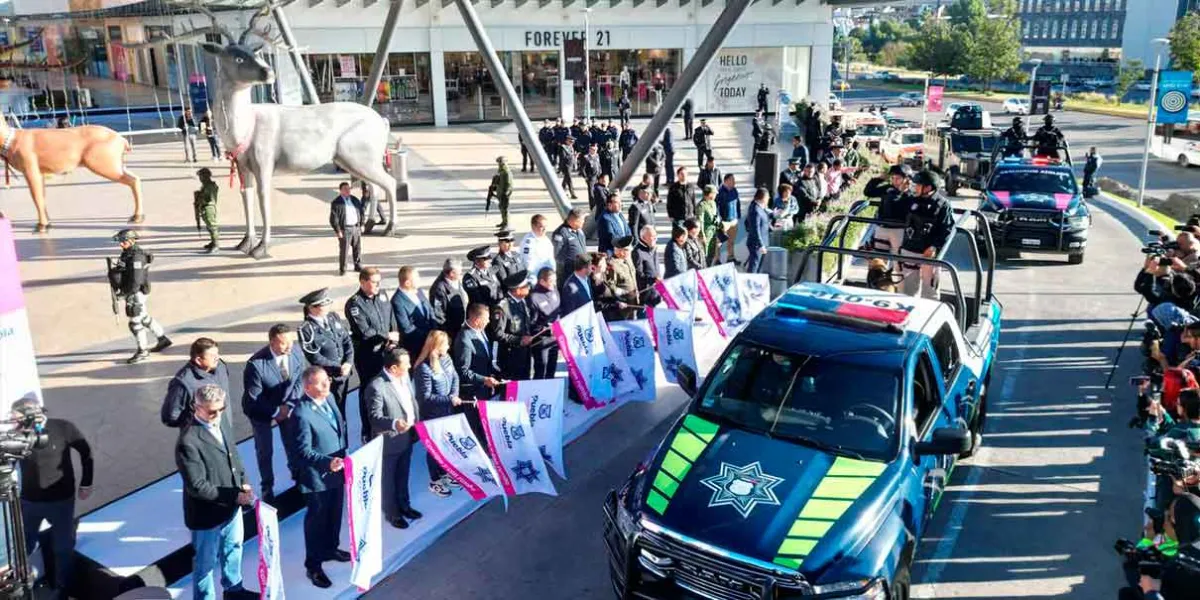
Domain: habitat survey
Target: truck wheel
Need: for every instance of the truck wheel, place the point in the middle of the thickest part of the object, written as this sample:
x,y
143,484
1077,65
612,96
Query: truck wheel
x,y
979,421
1182,161
1075,259
900,585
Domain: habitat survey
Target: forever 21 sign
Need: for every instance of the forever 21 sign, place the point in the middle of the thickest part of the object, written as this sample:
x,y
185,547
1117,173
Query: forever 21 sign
x,y
601,38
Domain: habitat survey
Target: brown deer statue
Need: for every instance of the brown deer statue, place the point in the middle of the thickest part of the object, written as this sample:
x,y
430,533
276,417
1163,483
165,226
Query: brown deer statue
x,y
36,153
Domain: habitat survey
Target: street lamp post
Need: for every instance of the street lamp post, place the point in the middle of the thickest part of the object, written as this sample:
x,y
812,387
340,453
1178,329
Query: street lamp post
x,y
1161,43
1037,62
587,63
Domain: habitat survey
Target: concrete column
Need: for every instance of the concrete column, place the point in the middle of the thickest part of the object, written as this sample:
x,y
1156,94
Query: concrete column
x,y
381,52
524,127
289,40
733,11
437,88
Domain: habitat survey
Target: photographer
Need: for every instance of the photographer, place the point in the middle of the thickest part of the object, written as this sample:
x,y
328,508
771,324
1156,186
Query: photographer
x,y
1174,572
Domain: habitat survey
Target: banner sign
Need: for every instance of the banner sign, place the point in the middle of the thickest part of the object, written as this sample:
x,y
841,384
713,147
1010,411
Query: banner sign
x,y
933,99
270,575
347,66
515,452
718,288
618,374
573,59
672,331
198,93
579,338
1039,102
755,291
735,74
1174,94
453,445
636,343
679,292
543,398
18,367
363,471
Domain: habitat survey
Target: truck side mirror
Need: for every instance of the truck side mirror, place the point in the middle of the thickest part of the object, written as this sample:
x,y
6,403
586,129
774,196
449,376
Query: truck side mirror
x,y
945,441
686,378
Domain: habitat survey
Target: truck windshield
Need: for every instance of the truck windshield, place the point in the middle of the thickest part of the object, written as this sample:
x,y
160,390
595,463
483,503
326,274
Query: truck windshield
x,y
836,403
972,143
912,138
871,129
1035,181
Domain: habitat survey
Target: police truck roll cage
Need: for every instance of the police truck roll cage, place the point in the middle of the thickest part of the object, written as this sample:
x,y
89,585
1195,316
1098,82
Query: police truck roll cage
x,y
1032,146
967,310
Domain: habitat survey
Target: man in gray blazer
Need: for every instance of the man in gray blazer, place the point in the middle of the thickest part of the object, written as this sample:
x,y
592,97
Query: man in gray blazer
x,y
392,408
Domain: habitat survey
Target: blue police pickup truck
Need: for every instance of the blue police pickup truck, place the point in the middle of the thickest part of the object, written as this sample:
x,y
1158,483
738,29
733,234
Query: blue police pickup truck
x,y
1035,205
812,457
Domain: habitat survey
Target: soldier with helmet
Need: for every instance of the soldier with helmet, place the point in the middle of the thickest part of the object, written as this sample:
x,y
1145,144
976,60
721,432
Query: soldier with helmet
x,y
129,277
326,343
502,185
204,201
892,207
1014,138
928,227
1049,139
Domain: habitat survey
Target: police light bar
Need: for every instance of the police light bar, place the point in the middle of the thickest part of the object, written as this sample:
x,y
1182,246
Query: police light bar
x,y
868,306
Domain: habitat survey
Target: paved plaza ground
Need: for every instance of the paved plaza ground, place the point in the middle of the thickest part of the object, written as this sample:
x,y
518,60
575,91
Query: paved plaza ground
x,y
234,299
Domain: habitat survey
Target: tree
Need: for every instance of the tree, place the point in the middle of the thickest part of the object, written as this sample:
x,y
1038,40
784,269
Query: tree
x,y
940,49
995,51
847,46
1185,43
1127,75
967,14
893,54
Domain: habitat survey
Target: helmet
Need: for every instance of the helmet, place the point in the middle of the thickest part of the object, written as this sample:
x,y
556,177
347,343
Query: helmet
x,y
1017,121
927,177
125,235
1049,120
204,172
500,160
902,170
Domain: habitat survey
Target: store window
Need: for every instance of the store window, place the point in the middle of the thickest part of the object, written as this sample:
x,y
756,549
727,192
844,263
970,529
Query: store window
x,y
404,93
471,95
796,70
647,74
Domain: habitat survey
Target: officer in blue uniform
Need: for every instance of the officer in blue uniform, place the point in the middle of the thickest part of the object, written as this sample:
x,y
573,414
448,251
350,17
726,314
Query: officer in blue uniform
x,y
927,229
507,261
511,327
479,282
325,341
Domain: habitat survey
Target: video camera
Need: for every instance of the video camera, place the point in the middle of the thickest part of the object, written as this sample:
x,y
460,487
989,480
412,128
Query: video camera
x,y
1172,458
1148,559
21,434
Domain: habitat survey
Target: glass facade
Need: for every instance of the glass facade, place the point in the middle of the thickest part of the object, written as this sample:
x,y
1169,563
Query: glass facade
x,y
404,93
471,95
647,74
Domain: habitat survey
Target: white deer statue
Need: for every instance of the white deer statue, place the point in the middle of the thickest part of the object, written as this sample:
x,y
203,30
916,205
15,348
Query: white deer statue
x,y
263,139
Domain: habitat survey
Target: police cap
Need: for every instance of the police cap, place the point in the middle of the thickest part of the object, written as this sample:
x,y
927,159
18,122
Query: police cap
x,y
480,253
902,170
927,177
316,298
516,280
793,161
125,235
505,235
623,242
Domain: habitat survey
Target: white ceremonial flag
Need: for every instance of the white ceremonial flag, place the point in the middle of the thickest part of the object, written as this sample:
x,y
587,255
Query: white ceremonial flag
x,y
673,337
636,343
363,470
755,291
18,368
515,452
543,398
579,338
618,374
270,575
452,444
679,292
719,291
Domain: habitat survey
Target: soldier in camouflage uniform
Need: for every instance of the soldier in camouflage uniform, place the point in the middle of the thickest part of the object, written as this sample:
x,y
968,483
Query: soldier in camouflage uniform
x,y
502,185
204,201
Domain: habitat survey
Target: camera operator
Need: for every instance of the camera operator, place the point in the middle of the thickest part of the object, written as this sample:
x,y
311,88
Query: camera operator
x,y
48,494
1178,576
1167,279
1187,250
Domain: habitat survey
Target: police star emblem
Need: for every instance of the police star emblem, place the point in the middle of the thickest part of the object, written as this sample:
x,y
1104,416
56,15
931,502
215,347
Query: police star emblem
x,y
743,488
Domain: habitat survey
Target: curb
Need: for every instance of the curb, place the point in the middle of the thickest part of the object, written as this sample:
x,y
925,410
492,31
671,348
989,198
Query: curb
x,y
1117,208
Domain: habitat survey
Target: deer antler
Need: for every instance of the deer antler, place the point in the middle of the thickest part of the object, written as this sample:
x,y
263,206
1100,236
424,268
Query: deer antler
x,y
264,33
198,6
189,34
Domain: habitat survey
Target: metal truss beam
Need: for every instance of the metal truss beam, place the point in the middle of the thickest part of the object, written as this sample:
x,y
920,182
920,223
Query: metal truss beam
x,y
285,32
381,52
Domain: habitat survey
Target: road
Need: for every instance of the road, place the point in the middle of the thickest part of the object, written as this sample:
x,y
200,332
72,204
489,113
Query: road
x,y
1034,514
1118,140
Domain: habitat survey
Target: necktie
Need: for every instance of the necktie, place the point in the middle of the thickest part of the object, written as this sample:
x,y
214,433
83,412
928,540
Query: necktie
x,y
283,368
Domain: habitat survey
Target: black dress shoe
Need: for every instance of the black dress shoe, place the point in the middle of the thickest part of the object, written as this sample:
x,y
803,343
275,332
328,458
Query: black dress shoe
x,y
340,555
319,578
398,522
410,513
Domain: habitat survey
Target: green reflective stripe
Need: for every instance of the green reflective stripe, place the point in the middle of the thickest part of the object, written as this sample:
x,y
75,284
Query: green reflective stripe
x,y
676,465
656,501
664,484
788,562
705,430
809,528
688,445
852,467
829,510
797,547
843,488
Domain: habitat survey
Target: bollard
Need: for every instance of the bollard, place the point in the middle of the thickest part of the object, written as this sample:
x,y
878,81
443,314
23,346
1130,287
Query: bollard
x,y
400,173
775,263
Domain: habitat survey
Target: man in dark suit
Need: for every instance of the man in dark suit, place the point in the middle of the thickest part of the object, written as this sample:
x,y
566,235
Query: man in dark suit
x,y
577,288
346,217
318,435
612,224
511,326
472,356
392,406
204,367
214,488
373,329
645,265
325,340
414,314
689,115
448,300
270,387
758,225
569,242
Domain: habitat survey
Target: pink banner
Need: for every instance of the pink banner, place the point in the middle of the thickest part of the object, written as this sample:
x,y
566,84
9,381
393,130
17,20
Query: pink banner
x,y
18,364
505,480
474,491
120,63
711,305
933,101
666,295
11,297
510,391
653,329
576,375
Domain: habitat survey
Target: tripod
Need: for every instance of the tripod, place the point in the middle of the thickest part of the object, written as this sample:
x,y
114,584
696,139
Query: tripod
x,y
16,576
1117,359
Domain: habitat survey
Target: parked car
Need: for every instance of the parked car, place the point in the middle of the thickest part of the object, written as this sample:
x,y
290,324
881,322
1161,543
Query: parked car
x,y
954,106
841,85
1142,86
1016,106
904,145
911,99
835,103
